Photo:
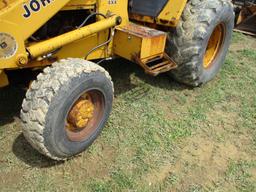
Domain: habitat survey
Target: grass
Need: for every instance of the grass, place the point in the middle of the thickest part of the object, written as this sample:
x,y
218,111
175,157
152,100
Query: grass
x,y
161,136
239,173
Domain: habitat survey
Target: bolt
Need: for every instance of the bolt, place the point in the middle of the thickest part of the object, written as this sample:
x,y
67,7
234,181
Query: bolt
x,y
22,60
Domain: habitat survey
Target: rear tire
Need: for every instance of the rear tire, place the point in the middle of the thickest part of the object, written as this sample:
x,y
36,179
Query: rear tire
x,y
61,92
188,45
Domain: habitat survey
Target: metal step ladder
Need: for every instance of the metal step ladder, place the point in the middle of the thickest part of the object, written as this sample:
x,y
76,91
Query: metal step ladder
x,y
145,46
159,64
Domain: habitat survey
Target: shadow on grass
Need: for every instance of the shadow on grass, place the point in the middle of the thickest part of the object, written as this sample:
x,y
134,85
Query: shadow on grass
x,y
10,104
121,71
24,152
11,97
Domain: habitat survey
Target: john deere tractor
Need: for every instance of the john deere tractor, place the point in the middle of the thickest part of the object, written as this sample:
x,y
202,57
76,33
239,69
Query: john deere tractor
x,y
67,106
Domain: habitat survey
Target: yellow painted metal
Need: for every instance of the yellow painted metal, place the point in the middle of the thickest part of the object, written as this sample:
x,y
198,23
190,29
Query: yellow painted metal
x,y
214,46
81,113
144,42
125,45
13,22
119,8
153,45
169,16
44,47
171,13
80,48
80,4
3,79
143,18
25,27
5,3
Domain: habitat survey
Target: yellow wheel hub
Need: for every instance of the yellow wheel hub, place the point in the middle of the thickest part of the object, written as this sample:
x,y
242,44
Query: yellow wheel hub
x,y
81,113
214,45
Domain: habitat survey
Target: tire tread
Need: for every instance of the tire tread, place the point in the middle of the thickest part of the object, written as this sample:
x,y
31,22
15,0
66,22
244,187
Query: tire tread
x,y
42,91
185,44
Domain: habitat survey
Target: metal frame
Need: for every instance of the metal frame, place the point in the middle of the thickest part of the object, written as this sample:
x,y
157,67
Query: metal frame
x,y
22,18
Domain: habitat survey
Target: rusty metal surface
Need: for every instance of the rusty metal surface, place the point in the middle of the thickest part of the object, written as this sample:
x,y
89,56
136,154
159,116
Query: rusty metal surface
x,y
135,39
248,26
245,17
81,113
141,31
145,46
79,132
156,65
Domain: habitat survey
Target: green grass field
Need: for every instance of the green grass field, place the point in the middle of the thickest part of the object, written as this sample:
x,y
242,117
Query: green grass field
x,y
162,136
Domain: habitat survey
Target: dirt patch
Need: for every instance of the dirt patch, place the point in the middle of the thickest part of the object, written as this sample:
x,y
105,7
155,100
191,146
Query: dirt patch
x,y
201,162
159,175
7,179
237,47
252,172
181,101
96,166
203,159
248,42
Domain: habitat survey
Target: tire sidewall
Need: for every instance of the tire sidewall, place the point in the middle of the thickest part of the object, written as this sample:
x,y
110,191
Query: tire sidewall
x,y
188,42
57,140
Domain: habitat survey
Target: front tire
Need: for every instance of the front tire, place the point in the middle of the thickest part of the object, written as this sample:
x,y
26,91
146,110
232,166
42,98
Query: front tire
x,y
67,107
200,42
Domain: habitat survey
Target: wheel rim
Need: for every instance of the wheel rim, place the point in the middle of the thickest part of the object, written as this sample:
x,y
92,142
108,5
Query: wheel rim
x,y
214,45
85,115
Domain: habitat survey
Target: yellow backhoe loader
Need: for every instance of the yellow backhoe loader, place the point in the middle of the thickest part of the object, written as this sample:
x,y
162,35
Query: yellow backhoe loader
x,y
68,104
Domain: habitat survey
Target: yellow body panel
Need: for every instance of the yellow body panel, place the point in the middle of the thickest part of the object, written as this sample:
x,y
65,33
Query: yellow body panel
x,y
47,46
83,46
135,40
120,8
171,13
169,16
80,4
5,3
126,45
19,21
22,28
13,22
25,27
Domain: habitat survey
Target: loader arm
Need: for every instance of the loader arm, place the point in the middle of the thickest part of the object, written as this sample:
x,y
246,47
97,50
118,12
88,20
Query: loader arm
x,y
29,15
18,21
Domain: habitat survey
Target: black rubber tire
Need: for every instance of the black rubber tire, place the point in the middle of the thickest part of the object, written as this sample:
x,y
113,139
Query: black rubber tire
x,y
49,99
188,43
